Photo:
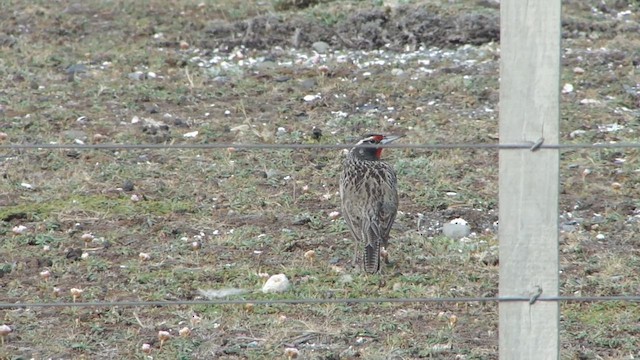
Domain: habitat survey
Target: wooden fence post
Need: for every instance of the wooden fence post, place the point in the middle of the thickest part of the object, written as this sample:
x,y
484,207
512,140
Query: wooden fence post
x,y
529,180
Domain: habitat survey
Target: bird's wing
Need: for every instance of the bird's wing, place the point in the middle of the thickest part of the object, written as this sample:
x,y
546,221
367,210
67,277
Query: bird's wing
x,y
389,207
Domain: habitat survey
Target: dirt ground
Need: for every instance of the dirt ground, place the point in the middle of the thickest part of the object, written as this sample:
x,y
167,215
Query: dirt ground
x,y
166,224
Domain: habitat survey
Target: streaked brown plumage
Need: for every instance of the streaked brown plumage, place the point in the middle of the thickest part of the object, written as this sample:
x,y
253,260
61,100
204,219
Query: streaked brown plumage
x,y
369,199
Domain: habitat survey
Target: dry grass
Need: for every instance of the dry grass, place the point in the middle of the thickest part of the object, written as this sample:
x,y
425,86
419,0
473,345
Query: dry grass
x,y
260,211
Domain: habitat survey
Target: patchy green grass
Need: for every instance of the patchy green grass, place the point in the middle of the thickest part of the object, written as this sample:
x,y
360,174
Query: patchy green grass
x,y
68,76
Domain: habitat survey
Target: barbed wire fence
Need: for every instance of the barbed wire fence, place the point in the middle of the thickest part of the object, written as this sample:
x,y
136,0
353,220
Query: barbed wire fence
x,y
533,146
531,300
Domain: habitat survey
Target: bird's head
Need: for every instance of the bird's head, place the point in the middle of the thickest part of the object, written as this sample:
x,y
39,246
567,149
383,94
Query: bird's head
x,y
366,148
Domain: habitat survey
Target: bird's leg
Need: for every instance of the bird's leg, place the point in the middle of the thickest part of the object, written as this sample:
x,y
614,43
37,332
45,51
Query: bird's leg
x,y
354,262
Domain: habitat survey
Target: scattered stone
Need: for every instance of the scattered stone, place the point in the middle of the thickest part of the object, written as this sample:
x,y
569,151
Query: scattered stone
x,y
308,84
221,80
276,284
309,98
320,47
128,185
589,102
567,89
137,75
610,127
578,70
221,293
283,78
302,220
74,254
75,134
456,229
575,133
76,69
192,134
397,72
316,133
152,108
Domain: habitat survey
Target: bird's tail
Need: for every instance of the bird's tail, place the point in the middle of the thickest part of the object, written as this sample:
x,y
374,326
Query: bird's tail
x,y
372,257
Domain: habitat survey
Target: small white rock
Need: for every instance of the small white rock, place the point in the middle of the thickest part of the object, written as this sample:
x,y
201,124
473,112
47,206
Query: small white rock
x,y
5,330
578,70
45,274
567,89
589,101
575,133
456,229
600,236
334,215
276,283
191,134
19,229
397,72
27,186
309,98
87,237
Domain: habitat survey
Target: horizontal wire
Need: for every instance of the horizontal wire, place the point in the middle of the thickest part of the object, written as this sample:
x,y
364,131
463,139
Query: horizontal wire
x,y
315,146
322,301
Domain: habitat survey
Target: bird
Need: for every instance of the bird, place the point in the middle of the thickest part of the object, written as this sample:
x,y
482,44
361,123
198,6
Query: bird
x,y
369,196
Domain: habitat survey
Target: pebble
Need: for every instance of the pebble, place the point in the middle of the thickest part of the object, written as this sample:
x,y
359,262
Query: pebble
x,y
575,133
456,229
75,134
137,75
128,185
76,68
589,101
397,72
276,284
320,47
308,84
309,98
567,89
